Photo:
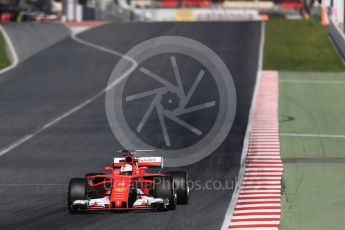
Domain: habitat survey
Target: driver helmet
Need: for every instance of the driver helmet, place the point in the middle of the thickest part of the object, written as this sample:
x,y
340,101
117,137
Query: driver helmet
x,y
127,169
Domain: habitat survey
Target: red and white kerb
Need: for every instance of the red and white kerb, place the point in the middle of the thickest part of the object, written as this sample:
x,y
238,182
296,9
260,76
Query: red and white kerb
x,y
258,205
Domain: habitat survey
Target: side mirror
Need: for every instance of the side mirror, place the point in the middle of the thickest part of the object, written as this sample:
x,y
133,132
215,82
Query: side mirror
x,y
108,169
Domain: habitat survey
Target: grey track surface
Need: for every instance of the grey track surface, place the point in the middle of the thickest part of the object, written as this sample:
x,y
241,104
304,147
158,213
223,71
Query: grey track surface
x,y
30,38
67,73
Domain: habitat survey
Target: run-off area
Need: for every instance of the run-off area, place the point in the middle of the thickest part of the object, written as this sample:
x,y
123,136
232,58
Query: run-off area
x,y
312,128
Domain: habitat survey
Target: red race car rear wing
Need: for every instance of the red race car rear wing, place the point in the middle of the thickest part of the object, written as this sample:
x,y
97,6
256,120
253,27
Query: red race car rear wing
x,y
141,161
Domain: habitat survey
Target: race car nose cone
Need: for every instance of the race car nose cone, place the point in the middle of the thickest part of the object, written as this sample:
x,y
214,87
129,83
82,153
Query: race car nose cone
x,y
118,204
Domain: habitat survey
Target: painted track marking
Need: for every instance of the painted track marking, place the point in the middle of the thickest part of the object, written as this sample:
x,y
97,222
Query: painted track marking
x,y
301,81
311,135
11,48
258,205
31,185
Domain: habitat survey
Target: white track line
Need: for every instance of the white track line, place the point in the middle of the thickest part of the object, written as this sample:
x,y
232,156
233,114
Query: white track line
x,y
311,135
30,185
11,48
254,216
236,193
312,81
245,195
75,109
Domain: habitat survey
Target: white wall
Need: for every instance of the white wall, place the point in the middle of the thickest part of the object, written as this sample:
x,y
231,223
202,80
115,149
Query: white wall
x,y
338,11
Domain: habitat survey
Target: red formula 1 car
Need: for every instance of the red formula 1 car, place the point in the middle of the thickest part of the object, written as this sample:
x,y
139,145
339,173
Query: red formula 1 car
x,y
129,186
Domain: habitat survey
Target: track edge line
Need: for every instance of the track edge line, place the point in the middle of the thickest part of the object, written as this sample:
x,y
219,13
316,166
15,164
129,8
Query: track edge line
x,y
10,47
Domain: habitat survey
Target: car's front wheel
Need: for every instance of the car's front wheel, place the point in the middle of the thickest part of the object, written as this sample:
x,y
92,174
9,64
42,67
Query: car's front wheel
x,y
164,188
181,185
77,190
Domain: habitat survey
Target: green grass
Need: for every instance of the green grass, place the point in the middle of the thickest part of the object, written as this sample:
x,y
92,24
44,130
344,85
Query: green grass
x,y
3,57
313,195
299,45
315,108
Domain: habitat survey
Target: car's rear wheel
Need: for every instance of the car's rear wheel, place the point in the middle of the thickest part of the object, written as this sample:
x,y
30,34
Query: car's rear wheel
x,y
77,190
181,185
164,188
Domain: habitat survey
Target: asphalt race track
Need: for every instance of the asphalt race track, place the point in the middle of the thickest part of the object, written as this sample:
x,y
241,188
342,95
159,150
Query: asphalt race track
x,y
38,36
34,175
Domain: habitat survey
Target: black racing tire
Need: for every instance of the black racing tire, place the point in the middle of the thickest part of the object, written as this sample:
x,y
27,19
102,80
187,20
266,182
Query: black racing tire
x,y
164,188
181,185
132,197
77,190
